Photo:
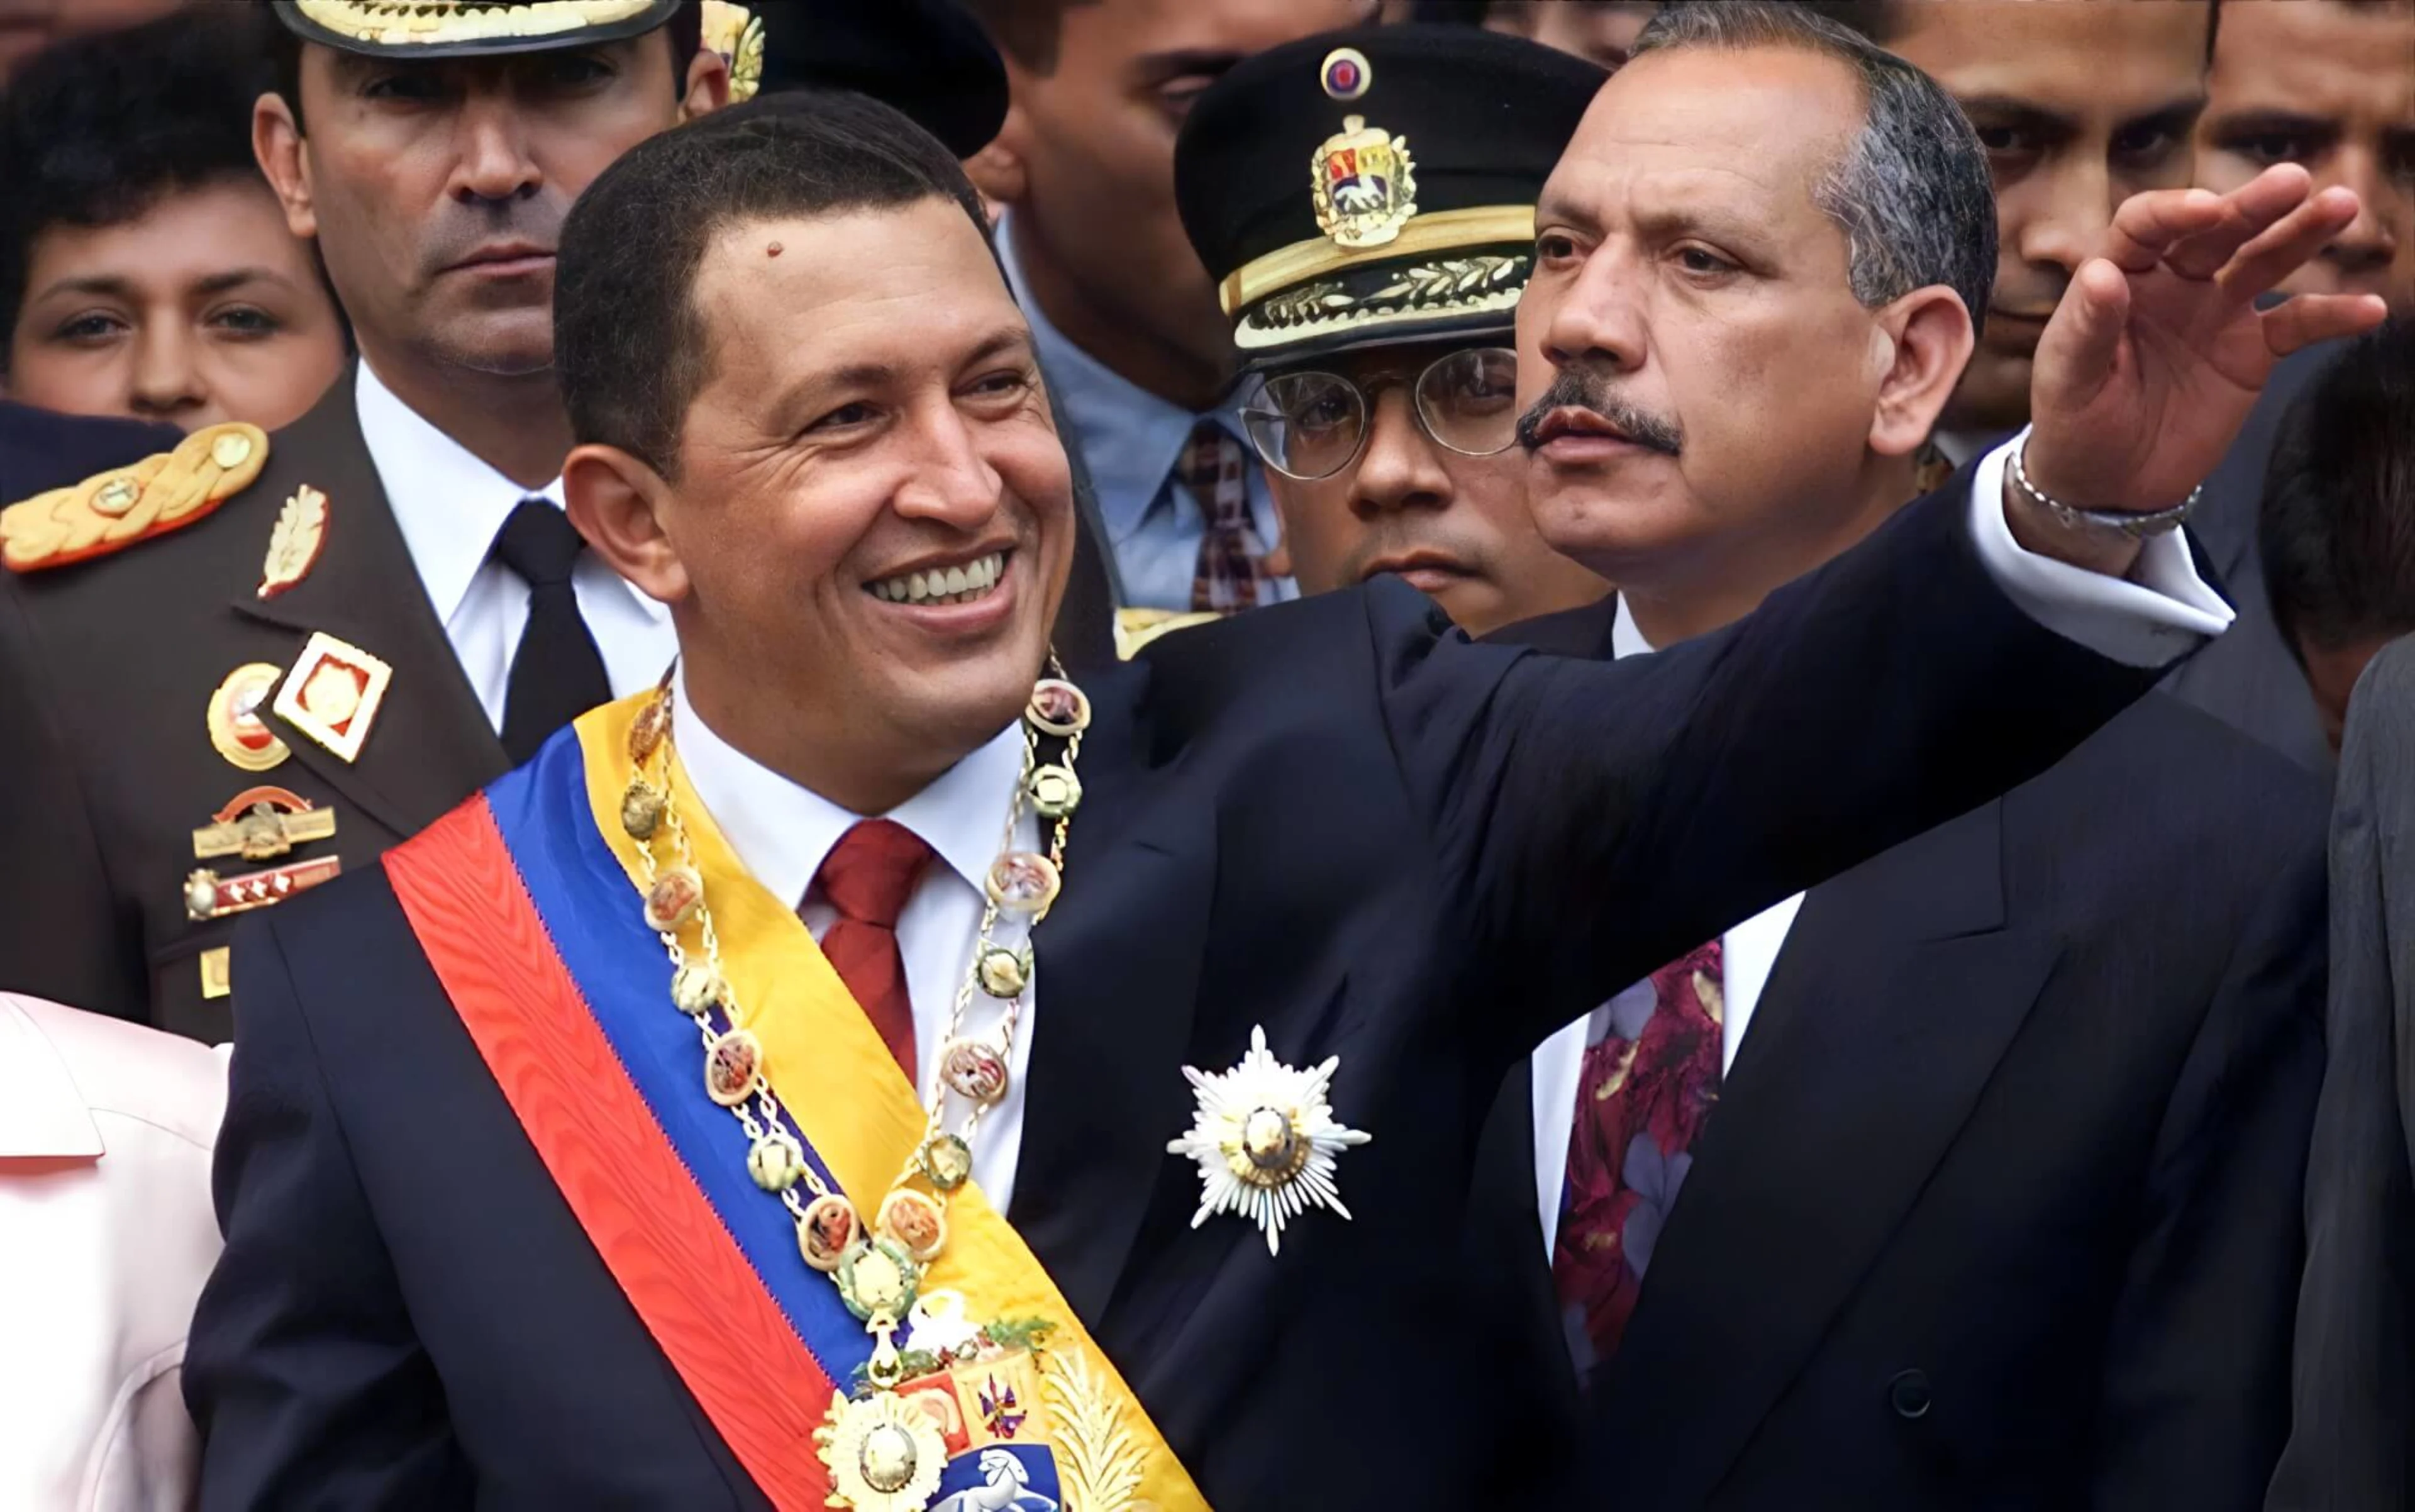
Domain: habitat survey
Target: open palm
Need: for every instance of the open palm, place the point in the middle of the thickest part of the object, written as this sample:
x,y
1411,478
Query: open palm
x,y
2158,351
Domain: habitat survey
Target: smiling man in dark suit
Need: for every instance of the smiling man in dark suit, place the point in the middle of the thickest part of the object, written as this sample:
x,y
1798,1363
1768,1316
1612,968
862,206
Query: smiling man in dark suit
x,y
1970,1176
514,1214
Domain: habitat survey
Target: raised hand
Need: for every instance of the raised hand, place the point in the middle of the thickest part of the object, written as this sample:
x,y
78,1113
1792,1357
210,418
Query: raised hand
x,y
2157,352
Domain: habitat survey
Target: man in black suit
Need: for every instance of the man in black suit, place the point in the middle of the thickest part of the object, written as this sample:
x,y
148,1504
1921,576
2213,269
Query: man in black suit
x,y
473,1184
1968,1178
41,451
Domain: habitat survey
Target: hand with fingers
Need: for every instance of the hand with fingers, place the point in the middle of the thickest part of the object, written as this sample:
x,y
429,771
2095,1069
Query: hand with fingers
x,y
2157,352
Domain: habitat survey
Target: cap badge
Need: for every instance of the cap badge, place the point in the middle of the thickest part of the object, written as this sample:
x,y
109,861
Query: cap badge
x,y
1364,185
737,34
1346,74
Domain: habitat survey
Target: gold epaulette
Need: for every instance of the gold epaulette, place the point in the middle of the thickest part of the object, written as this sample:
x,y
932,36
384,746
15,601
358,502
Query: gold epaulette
x,y
111,511
1137,628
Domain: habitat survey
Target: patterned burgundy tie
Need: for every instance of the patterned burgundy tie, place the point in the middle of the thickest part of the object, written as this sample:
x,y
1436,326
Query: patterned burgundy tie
x,y
1641,1103
1214,467
867,878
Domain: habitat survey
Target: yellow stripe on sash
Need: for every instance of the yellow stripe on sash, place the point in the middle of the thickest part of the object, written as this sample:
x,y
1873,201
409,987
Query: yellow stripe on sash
x,y
832,1072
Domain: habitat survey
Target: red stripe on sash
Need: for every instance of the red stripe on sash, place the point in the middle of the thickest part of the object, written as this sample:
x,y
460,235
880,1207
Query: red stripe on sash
x,y
643,1210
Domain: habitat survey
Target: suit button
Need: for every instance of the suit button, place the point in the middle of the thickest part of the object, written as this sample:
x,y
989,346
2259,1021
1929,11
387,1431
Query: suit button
x,y
1908,1393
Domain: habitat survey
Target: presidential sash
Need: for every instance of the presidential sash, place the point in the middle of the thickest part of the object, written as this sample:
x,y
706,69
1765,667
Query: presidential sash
x,y
527,901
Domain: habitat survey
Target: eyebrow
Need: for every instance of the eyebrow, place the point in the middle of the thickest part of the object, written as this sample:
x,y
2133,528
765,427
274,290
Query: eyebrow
x,y
2275,120
113,287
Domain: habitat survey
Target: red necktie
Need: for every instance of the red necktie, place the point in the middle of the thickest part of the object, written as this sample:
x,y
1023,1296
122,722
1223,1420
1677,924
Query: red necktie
x,y
1230,573
867,878
1641,1103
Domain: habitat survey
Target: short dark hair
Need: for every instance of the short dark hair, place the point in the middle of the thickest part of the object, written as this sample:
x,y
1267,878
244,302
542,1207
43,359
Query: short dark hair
x,y
629,346
2337,526
1911,192
96,130
686,30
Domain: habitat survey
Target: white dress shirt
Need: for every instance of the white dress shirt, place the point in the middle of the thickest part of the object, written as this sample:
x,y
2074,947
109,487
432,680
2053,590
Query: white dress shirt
x,y
1130,441
450,507
782,831
2145,622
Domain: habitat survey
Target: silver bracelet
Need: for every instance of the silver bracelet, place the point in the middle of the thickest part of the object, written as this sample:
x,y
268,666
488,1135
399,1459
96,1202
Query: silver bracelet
x,y
2138,527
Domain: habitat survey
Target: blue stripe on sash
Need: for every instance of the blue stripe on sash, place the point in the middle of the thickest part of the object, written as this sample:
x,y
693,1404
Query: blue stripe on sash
x,y
593,915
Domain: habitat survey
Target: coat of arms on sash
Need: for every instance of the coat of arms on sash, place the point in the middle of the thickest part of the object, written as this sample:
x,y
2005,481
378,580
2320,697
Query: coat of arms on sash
x,y
1364,185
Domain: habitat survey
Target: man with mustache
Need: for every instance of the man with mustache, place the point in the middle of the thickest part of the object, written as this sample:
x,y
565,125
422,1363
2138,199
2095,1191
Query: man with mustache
x,y
863,890
1972,1174
388,607
1389,438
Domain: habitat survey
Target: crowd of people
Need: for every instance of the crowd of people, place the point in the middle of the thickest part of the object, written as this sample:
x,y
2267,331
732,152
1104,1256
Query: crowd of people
x,y
1112,754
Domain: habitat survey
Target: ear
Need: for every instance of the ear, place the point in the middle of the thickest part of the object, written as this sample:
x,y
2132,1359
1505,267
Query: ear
x,y
708,84
616,502
276,141
1933,344
998,169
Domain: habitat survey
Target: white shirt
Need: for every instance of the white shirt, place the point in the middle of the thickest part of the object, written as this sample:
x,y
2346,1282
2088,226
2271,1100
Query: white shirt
x,y
450,507
1130,441
2143,623
783,831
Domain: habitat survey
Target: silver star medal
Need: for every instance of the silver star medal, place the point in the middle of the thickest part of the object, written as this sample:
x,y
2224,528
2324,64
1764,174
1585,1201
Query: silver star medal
x,y
1265,1140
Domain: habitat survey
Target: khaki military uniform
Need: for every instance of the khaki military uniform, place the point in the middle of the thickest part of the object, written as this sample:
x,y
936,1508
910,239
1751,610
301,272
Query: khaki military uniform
x,y
129,771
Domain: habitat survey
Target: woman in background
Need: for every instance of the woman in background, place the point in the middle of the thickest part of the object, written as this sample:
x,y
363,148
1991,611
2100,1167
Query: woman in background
x,y
145,267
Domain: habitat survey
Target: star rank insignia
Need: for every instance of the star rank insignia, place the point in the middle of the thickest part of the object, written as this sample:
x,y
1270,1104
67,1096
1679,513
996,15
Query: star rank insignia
x,y
208,895
332,694
1266,1139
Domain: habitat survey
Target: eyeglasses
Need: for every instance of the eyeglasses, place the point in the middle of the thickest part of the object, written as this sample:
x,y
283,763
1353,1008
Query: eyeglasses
x,y
1310,425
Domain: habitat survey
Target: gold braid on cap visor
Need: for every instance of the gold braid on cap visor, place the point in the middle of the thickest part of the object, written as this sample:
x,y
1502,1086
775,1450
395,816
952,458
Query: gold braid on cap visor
x,y
1433,231
436,23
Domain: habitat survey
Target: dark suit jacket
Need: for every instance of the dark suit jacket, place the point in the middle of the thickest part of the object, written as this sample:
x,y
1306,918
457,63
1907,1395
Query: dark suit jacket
x,y
1999,1205
1337,819
2248,679
106,673
2352,1444
40,450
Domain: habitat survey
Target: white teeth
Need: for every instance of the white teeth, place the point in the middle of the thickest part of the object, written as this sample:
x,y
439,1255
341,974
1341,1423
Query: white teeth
x,y
950,585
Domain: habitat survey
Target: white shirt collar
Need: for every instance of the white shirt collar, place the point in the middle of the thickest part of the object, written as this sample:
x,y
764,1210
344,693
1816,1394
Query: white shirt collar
x,y
1625,637
783,831
448,504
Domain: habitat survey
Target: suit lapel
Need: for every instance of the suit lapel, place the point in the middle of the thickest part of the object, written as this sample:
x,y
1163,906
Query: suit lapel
x,y
1897,991
430,744
1119,960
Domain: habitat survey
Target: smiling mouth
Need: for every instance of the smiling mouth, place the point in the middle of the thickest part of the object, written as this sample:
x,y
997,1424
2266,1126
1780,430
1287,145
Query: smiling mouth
x,y
965,583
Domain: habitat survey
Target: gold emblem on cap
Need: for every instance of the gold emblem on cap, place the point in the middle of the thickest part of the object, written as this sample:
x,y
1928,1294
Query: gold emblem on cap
x,y
293,544
237,731
332,694
1364,185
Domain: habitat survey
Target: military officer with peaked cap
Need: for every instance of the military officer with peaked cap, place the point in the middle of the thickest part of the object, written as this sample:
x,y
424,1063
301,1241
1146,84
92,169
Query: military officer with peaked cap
x,y
234,669
1376,313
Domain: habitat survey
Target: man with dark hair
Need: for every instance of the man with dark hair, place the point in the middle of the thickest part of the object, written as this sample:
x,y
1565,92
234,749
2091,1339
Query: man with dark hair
x,y
2078,107
811,1128
2328,84
145,266
1138,354
2338,530
1858,1203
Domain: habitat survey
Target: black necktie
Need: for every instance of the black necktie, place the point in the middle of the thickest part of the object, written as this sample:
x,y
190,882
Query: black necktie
x,y
556,672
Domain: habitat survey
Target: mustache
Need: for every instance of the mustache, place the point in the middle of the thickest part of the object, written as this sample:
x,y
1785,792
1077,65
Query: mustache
x,y
459,230
1581,388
